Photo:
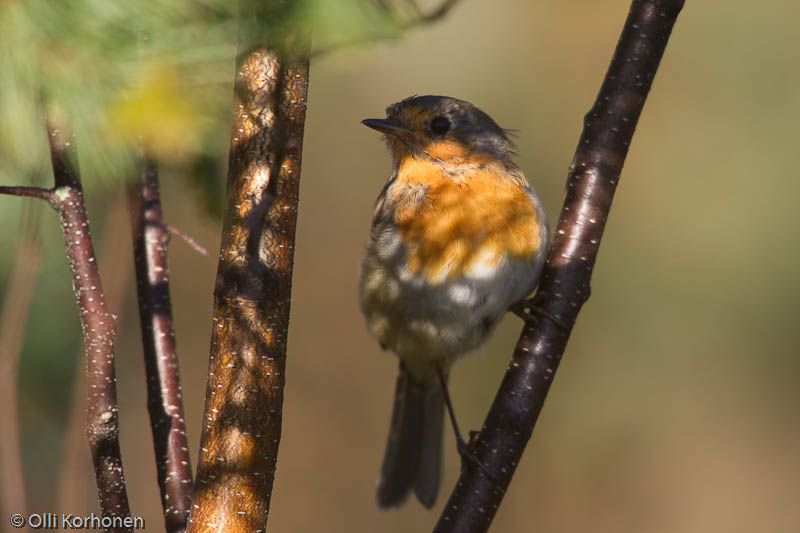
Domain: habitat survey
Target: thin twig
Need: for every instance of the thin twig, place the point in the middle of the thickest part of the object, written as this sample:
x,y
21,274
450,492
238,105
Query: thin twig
x,y
199,248
244,396
608,129
30,192
437,13
423,19
164,401
14,314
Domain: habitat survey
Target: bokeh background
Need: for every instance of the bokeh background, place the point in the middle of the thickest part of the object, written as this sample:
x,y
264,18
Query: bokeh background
x,y
675,407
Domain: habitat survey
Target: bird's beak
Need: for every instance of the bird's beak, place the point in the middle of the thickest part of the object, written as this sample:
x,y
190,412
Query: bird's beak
x,y
386,126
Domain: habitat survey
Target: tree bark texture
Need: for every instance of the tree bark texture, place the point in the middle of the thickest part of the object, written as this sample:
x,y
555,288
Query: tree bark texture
x,y
242,420
564,287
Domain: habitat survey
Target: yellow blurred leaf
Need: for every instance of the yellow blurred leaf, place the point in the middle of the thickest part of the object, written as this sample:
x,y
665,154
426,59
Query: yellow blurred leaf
x,y
158,114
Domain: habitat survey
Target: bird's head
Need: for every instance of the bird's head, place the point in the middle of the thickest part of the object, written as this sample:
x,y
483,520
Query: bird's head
x,y
442,128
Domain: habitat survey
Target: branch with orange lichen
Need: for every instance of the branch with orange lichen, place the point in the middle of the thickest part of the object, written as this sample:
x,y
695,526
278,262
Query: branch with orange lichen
x,y
244,397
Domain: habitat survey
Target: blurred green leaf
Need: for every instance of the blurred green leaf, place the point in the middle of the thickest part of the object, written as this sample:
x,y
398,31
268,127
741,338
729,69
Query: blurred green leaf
x,y
156,73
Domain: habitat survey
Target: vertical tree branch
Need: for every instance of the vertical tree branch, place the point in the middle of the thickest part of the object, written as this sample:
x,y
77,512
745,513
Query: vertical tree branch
x,y
75,466
608,129
13,316
164,400
98,326
244,397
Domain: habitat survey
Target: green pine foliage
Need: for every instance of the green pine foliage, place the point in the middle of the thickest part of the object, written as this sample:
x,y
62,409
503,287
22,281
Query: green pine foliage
x,y
151,73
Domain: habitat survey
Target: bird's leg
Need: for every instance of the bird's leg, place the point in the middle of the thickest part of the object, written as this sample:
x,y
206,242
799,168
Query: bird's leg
x,y
530,311
467,457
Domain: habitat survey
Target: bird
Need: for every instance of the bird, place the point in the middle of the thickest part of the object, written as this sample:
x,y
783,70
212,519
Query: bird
x,y
458,238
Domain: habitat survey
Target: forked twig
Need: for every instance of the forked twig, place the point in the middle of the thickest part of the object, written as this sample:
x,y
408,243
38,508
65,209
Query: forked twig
x,y
97,324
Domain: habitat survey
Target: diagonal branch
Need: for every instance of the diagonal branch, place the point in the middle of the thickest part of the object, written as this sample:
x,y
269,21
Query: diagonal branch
x,y
422,19
439,12
244,396
164,401
196,246
608,129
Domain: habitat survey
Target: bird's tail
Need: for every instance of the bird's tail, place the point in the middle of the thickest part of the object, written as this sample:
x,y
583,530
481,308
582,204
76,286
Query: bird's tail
x,y
413,455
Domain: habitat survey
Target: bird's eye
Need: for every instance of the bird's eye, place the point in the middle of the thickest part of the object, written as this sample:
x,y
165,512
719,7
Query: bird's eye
x,y
440,125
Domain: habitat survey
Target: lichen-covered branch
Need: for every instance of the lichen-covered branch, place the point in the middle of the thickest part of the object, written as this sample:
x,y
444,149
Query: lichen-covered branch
x,y
164,400
244,398
608,128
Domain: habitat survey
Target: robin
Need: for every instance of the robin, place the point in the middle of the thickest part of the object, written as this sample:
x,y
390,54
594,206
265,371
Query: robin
x,y
458,238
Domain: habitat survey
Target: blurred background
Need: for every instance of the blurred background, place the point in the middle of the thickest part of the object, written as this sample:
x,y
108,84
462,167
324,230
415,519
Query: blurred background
x,y
675,406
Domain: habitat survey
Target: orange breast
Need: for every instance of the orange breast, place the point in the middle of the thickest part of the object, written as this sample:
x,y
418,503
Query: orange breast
x,y
463,225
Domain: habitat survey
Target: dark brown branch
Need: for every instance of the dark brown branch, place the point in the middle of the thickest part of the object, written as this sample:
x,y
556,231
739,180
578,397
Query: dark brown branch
x,y
608,129
74,467
30,192
98,325
13,316
423,19
164,401
244,397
